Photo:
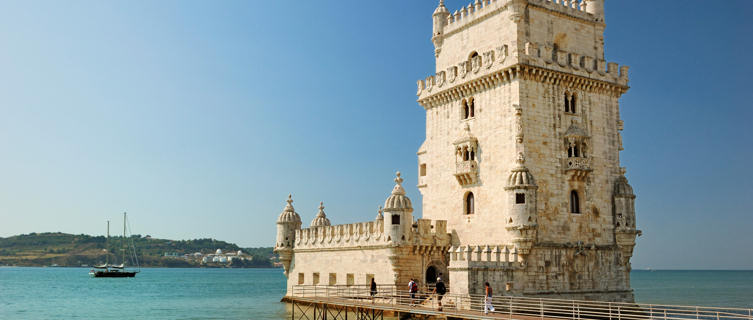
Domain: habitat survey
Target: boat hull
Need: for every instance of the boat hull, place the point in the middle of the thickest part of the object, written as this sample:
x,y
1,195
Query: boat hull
x,y
110,274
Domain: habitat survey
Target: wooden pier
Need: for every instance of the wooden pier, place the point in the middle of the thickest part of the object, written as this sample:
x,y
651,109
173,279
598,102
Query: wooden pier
x,y
355,302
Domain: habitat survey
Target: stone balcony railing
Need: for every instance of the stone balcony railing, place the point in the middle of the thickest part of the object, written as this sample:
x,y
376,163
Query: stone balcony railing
x,y
578,167
466,172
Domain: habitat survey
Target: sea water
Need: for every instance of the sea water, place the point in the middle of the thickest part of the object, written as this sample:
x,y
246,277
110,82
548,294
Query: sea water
x,y
69,293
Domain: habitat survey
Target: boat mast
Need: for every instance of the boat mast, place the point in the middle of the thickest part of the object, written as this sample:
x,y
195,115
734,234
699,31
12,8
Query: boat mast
x,y
122,243
107,241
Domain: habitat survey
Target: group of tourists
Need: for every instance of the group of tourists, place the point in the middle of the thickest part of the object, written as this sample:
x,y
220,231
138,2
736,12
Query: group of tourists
x,y
439,290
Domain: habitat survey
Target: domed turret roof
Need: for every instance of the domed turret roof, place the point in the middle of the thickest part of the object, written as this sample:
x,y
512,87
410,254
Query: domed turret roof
x,y
441,9
520,177
398,201
622,187
575,131
321,219
288,214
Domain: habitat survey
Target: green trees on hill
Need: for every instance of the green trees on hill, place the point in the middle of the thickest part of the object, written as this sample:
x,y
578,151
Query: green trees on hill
x,y
39,249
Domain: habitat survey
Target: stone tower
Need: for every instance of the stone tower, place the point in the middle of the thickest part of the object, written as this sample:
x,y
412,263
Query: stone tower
x,y
287,224
522,150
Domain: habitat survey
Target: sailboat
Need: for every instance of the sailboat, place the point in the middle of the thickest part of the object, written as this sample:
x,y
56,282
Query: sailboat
x,y
108,270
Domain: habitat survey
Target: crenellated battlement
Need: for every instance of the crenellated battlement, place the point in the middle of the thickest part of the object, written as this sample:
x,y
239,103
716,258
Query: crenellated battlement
x,y
497,65
479,10
367,234
343,235
572,8
470,14
496,255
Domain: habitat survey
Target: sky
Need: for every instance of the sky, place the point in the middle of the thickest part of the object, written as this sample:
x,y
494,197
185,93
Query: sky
x,y
198,118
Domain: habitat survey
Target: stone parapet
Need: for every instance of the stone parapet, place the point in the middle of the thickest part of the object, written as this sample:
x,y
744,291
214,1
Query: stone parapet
x,y
480,10
369,234
497,255
344,235
572,8
495,66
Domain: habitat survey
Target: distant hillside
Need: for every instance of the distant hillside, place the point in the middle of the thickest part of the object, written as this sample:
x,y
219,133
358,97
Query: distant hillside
x,y
44,249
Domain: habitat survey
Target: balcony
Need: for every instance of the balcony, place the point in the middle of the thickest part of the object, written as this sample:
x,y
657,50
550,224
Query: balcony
x,y
578,168
466,172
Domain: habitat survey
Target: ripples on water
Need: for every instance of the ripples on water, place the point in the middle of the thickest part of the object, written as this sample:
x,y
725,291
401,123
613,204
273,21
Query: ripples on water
x,y
69,293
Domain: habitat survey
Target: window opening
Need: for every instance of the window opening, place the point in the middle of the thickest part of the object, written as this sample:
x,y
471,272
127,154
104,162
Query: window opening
x,y
300,278
572,104
315,278
469,203
395,219
332,279
422,170
350,279
520,198
574,202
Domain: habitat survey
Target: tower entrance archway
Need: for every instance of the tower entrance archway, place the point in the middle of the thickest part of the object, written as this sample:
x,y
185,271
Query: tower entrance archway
x,y
431,275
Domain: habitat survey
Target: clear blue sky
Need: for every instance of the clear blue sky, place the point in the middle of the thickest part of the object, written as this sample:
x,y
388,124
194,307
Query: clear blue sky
x,y
198,118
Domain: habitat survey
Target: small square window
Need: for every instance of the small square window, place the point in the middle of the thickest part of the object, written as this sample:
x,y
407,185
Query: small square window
x,y
395,219
520,198
332,279
422,170
351,279
315,279
300,278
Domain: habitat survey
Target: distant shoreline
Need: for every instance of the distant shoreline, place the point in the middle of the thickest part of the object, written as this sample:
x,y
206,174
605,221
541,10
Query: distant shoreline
x,y
151,267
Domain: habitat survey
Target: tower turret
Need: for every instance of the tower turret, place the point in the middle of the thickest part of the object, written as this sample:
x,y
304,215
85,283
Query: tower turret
x,y
321,218
624,219
398,213
440,21
596,8
287,224
522,221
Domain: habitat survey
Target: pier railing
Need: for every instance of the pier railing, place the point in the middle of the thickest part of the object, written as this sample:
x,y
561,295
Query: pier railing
x,y
508,307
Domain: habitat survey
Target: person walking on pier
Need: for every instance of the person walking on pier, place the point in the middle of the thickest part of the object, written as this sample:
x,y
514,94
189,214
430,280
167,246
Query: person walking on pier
x,y
412,289
373,290
440,290
488,298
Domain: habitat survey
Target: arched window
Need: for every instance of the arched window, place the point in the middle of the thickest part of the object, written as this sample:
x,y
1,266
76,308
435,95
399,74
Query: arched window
x,y
466,110
472,108
573,152
469,203
574,202
567,103
572,104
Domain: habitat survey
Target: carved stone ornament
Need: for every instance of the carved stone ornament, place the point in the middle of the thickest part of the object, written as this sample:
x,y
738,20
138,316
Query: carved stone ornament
x,y
488,59
440,78
452,73
518,123
462,67
476,63
501,53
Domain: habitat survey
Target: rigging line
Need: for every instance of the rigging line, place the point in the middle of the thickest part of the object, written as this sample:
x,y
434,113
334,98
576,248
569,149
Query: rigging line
x,y
133,246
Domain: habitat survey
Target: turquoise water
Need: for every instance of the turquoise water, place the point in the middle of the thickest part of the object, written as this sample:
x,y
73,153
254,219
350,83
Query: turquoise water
x,y
69,293
696,288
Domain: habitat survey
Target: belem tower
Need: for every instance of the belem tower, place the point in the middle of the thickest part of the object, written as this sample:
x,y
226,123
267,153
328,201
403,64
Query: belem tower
x,y
520,170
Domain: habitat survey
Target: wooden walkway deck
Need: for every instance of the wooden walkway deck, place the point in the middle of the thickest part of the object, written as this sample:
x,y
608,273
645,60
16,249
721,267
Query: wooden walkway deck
x,y
354,302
